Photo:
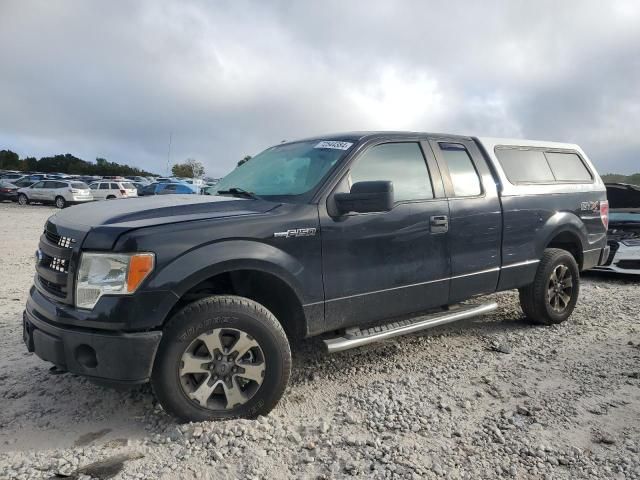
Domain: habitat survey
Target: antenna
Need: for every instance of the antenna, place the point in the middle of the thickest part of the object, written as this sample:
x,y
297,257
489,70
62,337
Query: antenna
x,y
169,154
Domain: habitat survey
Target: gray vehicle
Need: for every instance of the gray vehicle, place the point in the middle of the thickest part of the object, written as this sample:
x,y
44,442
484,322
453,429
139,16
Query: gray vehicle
x,y
59,192
357,236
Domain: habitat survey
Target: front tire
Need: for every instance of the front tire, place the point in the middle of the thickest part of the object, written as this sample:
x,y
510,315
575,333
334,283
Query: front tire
x,y
23,199
552,296
221,357
60,202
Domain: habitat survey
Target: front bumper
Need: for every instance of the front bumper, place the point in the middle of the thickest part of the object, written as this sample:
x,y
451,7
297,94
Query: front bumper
x,y
622,259
114,357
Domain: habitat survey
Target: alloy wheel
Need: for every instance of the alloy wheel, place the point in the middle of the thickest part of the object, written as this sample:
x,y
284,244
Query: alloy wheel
x,y
560,288
222,368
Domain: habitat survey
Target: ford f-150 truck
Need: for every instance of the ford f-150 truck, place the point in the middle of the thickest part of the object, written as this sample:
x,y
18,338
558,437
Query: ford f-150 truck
x,y
357,236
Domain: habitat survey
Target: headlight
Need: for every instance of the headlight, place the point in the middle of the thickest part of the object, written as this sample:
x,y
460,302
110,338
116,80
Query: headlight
x,y
110,274
632,242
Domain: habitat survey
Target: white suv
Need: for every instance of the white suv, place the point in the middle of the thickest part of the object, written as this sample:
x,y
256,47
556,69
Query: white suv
x,y
112,189
59,192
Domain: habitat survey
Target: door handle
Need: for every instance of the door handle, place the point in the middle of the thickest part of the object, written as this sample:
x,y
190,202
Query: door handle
x,y
439,223
439,220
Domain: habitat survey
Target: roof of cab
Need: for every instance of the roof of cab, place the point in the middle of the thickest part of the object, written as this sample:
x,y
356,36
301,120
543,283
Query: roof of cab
x,y
369,135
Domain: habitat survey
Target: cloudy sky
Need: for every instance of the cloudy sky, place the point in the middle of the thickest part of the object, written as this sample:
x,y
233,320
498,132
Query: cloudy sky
x,y
229,78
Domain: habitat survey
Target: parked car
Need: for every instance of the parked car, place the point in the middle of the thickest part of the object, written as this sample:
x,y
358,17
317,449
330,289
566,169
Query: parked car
x,y
167,188
624,229
138,179
11,176
175,188
59,192
139,188
8,191
202,296
111,190
23,182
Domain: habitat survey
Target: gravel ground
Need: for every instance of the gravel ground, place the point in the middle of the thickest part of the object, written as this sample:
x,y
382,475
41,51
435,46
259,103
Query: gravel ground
x,y
492,397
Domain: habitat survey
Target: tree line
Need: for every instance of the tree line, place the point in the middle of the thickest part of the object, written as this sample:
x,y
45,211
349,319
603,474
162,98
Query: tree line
x,y
633,179
68,164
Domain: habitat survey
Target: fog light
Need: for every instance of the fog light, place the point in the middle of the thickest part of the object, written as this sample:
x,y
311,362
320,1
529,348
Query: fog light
x,y
86,356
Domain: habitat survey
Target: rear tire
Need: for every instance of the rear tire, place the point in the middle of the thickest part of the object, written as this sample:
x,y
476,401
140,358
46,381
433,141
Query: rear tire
x,y
552,296
194,375
23,199
60,202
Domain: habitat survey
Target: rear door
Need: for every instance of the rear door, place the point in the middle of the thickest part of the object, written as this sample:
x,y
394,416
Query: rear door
x,y
475,217
377,265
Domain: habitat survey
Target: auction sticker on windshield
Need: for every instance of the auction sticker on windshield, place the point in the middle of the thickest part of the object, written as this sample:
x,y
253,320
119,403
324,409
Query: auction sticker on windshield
x,y
333,144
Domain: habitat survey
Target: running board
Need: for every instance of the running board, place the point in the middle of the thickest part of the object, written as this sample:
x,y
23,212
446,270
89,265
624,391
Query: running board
x,y
358,337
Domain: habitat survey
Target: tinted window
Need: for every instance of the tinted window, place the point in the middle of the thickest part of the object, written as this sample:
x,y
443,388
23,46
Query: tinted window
x,y
49,184
567,167
401,163
114,186
525,166
79,185
104,186
464,178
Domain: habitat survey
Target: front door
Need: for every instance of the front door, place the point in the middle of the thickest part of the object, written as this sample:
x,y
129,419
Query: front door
x,y
387,263
36,191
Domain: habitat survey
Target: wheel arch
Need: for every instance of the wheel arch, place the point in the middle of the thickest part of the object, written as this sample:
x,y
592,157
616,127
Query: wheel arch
x,y
565,230
250,269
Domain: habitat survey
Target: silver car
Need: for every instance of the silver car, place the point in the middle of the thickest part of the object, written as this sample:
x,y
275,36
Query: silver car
x,y
59,192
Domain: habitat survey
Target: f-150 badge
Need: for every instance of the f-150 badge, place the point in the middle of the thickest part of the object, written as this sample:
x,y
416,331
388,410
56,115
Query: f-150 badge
x,y
296,232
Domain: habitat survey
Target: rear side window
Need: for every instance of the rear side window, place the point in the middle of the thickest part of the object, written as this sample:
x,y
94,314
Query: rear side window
x,y
114,186
464,177
401,163
567,167
537,166
525,166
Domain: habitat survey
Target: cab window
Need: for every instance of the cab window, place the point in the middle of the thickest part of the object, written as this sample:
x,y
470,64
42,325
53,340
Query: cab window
x,y
401,163
463,174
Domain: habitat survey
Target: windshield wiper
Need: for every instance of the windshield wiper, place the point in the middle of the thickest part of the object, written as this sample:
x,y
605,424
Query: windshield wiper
x,y
239,192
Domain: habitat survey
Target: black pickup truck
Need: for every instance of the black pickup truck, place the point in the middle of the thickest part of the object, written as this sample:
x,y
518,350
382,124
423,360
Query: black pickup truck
x,y
348,235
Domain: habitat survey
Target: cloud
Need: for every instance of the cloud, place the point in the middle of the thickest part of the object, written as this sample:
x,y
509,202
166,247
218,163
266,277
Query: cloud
x,y
226,79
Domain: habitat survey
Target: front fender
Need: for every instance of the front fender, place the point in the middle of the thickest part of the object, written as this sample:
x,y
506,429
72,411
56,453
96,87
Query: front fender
x,y
188,270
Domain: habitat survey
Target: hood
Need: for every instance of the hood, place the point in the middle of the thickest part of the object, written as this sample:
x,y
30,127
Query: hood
x,y
158,210
623,196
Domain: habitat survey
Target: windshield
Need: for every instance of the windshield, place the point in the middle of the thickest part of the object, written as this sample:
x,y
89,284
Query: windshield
x,y
285,170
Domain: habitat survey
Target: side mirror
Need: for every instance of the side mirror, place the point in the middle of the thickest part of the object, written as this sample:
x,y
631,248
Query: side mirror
x,y
366,197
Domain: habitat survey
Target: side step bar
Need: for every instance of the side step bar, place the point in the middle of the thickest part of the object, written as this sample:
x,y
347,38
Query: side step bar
x,y
358,337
